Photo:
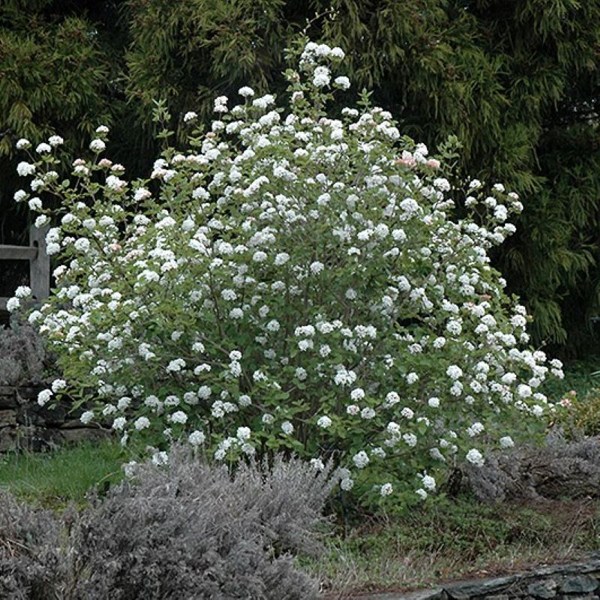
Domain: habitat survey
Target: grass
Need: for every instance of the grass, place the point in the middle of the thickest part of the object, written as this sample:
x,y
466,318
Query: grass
x,y
454,539
66,475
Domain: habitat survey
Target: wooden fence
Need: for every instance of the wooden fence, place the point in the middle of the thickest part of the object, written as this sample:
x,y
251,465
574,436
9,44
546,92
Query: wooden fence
x,y
39,263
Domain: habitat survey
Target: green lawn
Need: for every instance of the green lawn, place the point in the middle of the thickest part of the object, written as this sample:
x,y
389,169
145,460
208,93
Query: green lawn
x,y
57,478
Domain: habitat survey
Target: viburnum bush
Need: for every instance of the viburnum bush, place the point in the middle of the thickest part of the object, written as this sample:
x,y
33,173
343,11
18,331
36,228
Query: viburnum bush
x,y
291,281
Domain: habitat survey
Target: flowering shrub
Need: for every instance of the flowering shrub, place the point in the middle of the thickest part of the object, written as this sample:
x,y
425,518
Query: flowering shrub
x,y
292,281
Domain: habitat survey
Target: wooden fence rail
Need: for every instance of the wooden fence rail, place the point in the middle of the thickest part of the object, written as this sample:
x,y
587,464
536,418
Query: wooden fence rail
x,y
39,263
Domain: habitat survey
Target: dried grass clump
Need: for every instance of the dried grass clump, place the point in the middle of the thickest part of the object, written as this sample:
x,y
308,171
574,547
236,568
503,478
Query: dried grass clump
x,y
186,530
558,470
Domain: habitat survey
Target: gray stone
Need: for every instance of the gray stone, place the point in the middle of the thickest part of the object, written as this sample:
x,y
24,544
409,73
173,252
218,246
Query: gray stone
x,y
8,440
8,417
483,587
82,434
431,594
8,401
579,584
543,589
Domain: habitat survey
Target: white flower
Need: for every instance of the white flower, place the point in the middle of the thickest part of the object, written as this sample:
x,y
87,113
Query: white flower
x,y
141,423
23,291
506,442
286,427
243,433
196,438
407,413
342,82
316,267
264,102
246,92
475,457
367,413
41,221
35,203
454,372
273,326
236,313
20,195
386,489
82,244
221,104
410,439
97,145
324,422
524,391
361,459
428,483
317,464
346,484
44,397
55,140
179,417
321,76
87,417
537,410
119,423
160,458
58,385
189,116
337,53
23,144
176,365
412,378
421,493
434,402
43,148
475,429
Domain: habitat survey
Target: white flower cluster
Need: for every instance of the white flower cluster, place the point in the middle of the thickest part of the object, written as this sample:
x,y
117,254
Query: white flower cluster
x,y
299,282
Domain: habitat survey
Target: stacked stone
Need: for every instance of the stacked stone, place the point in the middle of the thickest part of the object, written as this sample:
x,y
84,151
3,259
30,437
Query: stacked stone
x,y
576,581
24,425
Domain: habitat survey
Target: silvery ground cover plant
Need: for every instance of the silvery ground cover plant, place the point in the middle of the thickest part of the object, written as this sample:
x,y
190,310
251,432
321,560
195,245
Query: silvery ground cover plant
x,y
182,530
296,280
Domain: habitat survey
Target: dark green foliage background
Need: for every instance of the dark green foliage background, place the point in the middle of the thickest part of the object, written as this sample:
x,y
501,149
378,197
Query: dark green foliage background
x,y
516,81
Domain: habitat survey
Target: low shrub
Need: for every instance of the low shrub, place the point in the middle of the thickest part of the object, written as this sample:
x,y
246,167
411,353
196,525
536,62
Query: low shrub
x,y
561,469
180,530
30,556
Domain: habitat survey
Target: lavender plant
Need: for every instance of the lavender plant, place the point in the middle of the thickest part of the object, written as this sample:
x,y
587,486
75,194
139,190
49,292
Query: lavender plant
x,y
181,530
294,281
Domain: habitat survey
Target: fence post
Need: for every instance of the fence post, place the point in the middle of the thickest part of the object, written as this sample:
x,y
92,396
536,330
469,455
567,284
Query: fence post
x,y
39,267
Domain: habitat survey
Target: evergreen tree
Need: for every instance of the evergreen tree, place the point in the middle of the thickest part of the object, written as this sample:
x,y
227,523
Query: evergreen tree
x,y
514,80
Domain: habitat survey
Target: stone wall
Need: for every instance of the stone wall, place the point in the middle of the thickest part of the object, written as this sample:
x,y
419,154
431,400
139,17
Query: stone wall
x,y
576,581
24,425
